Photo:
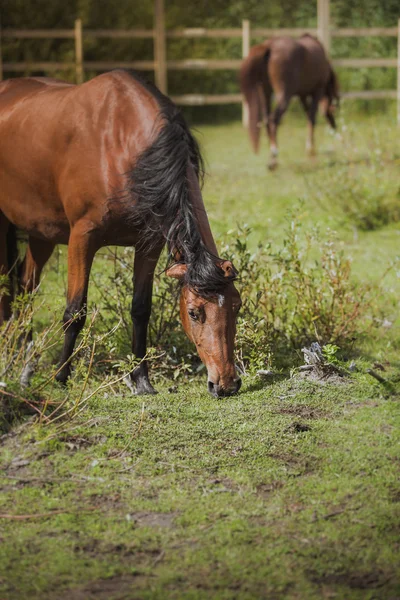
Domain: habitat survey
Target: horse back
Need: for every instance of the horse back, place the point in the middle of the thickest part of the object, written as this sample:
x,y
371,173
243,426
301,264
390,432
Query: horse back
x,y
297,66
64,149
285,65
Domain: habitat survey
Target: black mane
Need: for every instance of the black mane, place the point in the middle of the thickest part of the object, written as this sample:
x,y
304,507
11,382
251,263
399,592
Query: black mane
x,y
163,209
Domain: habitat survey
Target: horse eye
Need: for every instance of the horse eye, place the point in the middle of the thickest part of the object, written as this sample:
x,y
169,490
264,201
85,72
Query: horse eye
x,y
194,315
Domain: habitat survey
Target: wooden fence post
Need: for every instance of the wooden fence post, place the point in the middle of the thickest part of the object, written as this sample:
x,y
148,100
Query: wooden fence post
x,y
78,51
398,72
245,52
160,49
323,16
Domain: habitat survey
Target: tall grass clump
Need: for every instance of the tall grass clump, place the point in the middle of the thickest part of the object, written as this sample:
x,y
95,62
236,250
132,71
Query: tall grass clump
x,y
363,197
28,364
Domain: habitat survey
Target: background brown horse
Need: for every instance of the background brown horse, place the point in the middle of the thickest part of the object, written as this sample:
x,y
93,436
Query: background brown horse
x,y
287,67
112,161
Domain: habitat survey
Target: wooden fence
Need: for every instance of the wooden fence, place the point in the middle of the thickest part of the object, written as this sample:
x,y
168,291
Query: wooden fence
x,y
161,65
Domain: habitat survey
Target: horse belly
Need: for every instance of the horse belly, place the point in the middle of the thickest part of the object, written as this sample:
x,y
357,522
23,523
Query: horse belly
x,y
28,192
315,71
29,210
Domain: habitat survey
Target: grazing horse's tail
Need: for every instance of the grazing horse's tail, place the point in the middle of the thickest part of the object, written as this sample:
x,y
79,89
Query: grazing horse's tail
x,y
12,258
253,79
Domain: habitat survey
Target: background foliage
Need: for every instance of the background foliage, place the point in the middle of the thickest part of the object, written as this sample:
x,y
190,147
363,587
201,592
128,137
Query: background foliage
x,y
125,14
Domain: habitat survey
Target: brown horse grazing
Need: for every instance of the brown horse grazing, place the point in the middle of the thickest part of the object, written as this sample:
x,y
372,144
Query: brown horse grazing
x,y
287,68
112,162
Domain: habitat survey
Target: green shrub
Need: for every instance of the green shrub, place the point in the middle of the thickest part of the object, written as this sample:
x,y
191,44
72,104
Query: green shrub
x,y
28,369
294,294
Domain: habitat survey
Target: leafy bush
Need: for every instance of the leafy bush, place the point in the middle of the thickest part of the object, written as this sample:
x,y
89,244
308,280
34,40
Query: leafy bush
x,y
294,294
27,369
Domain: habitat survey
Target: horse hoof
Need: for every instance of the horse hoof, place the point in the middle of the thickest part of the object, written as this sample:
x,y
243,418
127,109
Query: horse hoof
x,y
26,375
62,377
272,165
140,387
147,390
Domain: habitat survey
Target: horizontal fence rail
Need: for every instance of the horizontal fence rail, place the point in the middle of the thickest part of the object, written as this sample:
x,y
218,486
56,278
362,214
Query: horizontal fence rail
x,y
210,99
161,65
195,64
194,32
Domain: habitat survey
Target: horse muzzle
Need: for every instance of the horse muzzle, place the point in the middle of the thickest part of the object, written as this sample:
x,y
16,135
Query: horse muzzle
x,y
218,391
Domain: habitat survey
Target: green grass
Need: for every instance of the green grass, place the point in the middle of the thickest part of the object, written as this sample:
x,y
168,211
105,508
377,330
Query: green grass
x,y
288,490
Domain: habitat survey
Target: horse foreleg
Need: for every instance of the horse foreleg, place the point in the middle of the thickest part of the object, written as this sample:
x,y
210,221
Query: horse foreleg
x,y
280,109
81,251
37,254
144,267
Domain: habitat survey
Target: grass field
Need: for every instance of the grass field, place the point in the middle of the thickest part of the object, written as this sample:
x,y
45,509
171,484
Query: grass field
x,y
290,489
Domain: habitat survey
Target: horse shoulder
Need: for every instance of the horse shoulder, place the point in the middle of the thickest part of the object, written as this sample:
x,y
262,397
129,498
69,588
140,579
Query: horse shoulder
x,y
118,120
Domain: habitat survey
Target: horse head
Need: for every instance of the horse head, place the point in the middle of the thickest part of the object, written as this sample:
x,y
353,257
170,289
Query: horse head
x,y
210,322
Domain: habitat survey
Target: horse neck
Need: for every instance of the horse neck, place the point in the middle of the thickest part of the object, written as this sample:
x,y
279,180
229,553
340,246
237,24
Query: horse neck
x,y
200,211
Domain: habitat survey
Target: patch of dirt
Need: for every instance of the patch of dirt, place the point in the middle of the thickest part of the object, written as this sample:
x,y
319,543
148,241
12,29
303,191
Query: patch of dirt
x,y
295,508
291,460
18,462
296,465
9,489
77,442
302,411
110,502
222,484
297,427
19,467
265,490
153,519
121,587
354,580
95,548
324,378
371,403
394,495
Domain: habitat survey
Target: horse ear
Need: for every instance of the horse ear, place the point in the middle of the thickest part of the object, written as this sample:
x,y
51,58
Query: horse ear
x,y
178,271
228,268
